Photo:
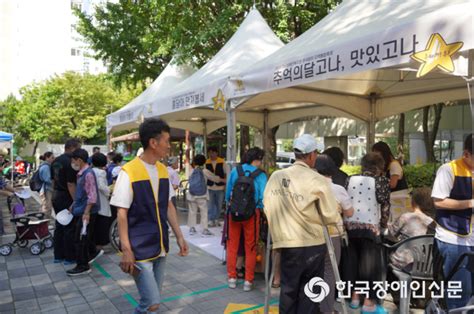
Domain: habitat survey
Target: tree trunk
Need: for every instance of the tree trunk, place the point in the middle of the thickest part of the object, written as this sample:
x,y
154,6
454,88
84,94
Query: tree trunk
x,y
244,140
272,152
430,137
401,138
35,147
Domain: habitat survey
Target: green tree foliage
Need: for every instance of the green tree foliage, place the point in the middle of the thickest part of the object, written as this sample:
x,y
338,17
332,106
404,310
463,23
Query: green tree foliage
x,y
70,105
138,38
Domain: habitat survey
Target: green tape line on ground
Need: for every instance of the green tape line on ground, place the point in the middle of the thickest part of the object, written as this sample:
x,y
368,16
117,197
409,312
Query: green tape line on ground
x,y
254,307
101,270
135,303
193,293
130,299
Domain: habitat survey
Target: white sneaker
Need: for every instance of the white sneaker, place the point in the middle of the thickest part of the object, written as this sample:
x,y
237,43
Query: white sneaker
x,y
207,233
232,283
192,231
248,286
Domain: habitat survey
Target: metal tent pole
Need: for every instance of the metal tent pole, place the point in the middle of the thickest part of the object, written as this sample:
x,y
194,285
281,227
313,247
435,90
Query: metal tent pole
x,y
12,164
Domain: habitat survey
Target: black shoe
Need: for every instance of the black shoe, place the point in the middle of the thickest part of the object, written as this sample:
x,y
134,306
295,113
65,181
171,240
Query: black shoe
x,y
78,270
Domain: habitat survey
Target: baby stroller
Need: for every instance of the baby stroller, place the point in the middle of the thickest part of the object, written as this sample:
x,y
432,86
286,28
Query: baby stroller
x,y
31,227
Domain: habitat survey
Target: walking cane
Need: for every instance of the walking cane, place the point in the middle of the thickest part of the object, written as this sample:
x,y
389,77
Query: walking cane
x,y
268,277
332,255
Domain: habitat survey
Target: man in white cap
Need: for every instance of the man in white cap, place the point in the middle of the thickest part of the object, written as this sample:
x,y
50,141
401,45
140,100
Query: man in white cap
x,y
296,226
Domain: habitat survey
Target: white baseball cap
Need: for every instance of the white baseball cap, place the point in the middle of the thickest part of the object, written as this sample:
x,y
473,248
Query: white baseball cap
x,y
305,144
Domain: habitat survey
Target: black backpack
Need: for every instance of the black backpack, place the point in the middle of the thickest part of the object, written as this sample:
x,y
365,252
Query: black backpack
x,y
242,203
35,182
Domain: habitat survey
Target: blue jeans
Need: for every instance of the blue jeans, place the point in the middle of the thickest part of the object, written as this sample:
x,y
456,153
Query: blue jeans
x,y
451,253
149,283
216,198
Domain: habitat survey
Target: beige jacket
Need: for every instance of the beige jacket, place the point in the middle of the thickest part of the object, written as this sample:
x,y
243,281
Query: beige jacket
x,y
289,204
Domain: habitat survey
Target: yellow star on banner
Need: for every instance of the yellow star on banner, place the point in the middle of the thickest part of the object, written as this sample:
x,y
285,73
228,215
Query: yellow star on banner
x,y
437,54
219,100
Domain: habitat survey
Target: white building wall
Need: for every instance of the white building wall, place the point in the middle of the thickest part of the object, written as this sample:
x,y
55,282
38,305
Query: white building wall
x,y
36,41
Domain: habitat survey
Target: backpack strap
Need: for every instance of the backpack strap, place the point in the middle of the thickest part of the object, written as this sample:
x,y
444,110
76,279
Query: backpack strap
x,y
256,173
240,171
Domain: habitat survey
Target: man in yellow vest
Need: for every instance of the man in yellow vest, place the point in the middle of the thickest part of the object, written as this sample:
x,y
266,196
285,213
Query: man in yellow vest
x,y
142,196
218,167
453,198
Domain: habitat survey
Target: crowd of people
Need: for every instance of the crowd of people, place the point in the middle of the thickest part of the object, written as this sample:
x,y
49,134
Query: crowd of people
x,y
295,203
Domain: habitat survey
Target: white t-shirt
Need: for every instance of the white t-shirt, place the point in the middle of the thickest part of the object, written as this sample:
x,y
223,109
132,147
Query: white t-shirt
x,y
342,197
441,190
174,176
123,194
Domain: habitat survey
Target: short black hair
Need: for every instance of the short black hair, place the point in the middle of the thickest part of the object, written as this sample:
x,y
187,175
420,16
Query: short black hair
x,y
151,128
72,143
421,197
117,158
212,149
99,160
336,155
325,165
373,163
468,144
80,154
96,149
255,153
199,160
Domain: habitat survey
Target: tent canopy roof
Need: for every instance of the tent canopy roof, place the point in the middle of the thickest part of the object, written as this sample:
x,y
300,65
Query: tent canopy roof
x,y
5,137
129,116
253,41
373,90
357,19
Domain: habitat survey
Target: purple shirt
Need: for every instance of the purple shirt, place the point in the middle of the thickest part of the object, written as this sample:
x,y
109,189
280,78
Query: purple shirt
x,y
89,186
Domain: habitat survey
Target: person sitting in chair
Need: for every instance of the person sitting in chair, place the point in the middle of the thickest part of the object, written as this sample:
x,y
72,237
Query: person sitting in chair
x,y
411,224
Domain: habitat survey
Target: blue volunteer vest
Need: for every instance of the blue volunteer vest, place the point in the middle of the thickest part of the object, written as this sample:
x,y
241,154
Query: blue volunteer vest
x,y
147,215
80,198
458,221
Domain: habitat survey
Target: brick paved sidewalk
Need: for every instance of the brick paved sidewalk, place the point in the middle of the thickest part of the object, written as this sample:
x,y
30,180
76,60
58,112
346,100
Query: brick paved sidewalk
x,y
34,284
193,284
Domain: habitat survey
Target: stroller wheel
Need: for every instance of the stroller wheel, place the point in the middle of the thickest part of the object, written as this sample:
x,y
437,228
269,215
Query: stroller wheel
x,y
22,243
37,248
6,249
48,243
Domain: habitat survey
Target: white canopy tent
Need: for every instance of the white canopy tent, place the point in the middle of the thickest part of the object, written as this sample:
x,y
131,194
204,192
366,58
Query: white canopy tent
x,y
190,105
130,116
359,62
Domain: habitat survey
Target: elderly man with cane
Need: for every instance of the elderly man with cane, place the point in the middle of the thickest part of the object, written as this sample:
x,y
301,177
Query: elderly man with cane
x,y
297,225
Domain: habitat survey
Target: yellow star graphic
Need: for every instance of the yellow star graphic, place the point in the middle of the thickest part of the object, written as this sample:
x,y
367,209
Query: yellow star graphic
x,y
437,54
219,100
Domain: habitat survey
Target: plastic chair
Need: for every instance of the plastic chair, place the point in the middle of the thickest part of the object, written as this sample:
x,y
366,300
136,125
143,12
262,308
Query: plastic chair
x,y
421,248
